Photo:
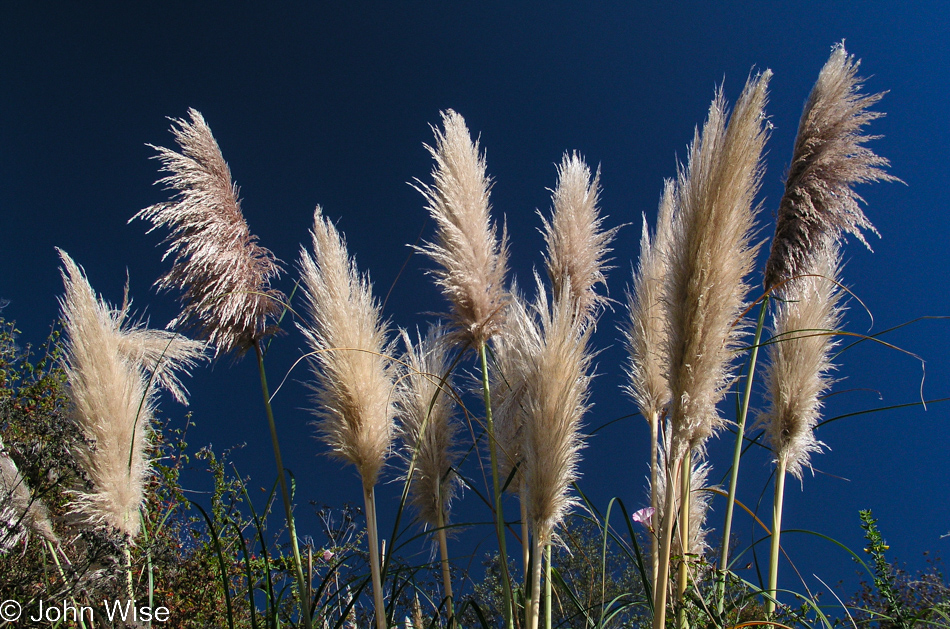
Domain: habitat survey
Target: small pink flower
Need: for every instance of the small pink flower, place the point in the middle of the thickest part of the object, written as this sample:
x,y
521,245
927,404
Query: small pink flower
x,y
644,516
327,555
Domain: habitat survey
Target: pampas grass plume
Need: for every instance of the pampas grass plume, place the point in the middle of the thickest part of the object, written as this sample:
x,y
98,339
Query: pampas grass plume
x,y
354,376
557,381
645,333
710,256
576,241
829,157
806,316
224,274
425,408
472,261
113,370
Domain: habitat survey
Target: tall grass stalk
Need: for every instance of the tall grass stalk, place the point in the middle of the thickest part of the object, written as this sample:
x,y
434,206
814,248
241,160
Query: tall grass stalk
x,y
661,586
737,457
682,577
548,610
446,572
369,498
303,598
776,535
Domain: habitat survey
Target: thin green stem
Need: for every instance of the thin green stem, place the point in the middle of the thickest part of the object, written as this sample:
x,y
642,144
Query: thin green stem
x,y
496,487
737,456
547,587
776,535
284,492
682,578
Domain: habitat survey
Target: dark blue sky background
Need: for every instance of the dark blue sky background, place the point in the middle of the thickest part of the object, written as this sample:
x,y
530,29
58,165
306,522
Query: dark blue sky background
x,y
329,103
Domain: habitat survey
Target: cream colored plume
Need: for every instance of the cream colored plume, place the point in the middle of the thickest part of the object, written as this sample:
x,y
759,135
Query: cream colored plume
x,y
511,355
21,513
224,274
350,359
425,408
576,241
645,333
472,261
557,386
829,157
710,257
114,370
807,315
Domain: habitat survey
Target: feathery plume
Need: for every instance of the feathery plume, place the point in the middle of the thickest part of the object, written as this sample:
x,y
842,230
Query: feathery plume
x,y
21,513
710,257
646,338
557,384
425,408
828,159
806,315
109,365
576,241
224,274
473,262
354,376
511,353
645,332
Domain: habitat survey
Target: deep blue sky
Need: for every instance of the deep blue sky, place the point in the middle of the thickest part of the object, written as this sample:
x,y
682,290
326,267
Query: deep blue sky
x,y
329,103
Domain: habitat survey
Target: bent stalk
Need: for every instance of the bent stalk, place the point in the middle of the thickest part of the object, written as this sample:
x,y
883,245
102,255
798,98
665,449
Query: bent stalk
x,y
736,456
496,487
284,493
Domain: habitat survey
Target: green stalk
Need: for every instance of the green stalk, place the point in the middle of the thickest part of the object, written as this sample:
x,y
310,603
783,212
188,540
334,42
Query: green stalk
x,y
776,534
682,576
284,492
547,587
736,456
663,571
369,495
496,487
